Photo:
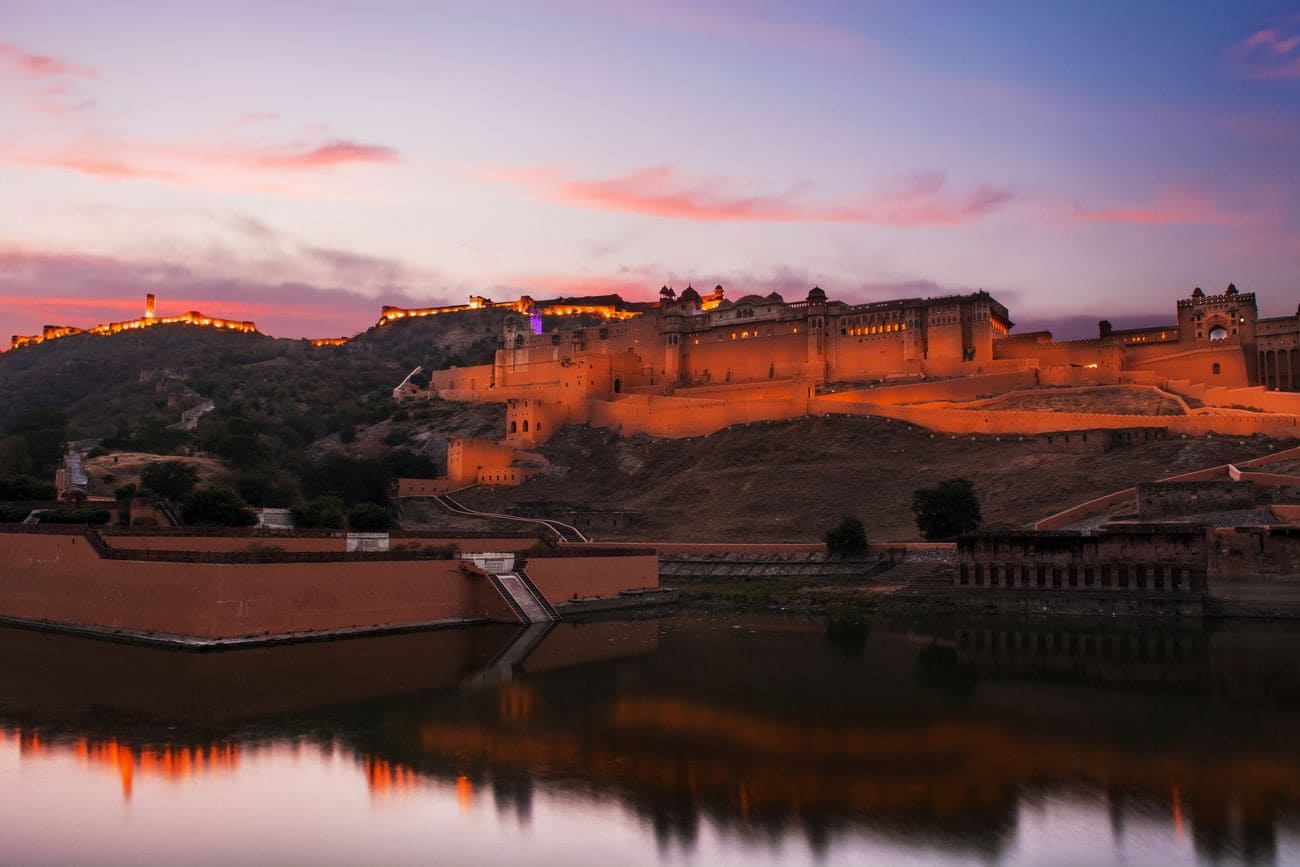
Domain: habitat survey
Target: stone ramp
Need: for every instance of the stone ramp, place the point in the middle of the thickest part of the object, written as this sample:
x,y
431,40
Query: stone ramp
x,y
533,610
921,572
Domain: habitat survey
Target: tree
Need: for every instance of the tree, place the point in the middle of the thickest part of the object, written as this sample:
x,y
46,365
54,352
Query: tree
x,y
171,480
370,518
129,491
947,510
847,537
321,513
25,489
217,506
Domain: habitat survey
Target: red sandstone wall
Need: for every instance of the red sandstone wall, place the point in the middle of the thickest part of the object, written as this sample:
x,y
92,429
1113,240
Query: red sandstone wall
x,y
1257,397
473,379
561,579
718,359
1006,422
967,388
1198,366
684,417
422,487
61,579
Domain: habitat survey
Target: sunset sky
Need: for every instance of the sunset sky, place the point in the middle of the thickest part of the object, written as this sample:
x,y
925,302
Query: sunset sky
x,y
302,163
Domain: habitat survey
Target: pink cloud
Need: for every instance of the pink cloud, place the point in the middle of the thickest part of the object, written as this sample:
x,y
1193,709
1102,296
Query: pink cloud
x,y
198,166
324,156
663,191
1268,54
39,65
1172,208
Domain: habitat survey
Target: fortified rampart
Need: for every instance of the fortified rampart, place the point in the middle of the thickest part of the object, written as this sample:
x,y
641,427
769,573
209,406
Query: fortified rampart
x,y
202,590
192,317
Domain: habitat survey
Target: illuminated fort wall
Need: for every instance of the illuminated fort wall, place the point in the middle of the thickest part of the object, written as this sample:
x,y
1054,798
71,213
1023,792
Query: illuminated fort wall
x,y
192,317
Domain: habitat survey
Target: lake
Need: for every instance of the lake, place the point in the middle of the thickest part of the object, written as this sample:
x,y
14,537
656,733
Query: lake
x,y
692,738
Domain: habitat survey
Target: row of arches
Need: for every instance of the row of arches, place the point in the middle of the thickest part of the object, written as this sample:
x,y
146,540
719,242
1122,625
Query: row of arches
x,y
1278,369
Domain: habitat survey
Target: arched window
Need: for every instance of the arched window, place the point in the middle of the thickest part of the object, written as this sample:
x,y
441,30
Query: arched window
x,y
1215,369
618,385
1218,332
525,425
512,427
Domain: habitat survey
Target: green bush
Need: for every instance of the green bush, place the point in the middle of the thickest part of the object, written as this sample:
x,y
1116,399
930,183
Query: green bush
x,y
25,489
75,516
217,506
172,480
13,514
320,513
370,518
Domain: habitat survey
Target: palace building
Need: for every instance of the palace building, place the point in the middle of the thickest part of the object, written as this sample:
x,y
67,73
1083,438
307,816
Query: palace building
x,y
693,364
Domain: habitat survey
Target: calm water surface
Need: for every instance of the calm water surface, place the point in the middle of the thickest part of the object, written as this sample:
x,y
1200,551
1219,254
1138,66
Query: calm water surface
x,y
690,739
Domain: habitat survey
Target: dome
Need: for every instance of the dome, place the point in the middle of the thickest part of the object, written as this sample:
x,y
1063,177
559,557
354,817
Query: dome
x,y
775,298
751,299
1198,292
816,295
690,295
1231,290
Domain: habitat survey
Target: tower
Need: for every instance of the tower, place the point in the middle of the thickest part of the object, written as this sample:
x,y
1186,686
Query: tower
x,y
148,306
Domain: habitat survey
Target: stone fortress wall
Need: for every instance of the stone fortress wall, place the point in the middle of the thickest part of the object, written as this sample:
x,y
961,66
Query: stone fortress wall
x,y
148,320
694,364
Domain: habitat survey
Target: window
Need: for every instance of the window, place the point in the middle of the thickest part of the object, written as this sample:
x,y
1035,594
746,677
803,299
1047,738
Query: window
x,y
1218,332
1215,368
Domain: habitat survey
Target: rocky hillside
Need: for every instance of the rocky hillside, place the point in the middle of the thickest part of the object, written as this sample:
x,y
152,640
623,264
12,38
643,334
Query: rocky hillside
x,y
790,481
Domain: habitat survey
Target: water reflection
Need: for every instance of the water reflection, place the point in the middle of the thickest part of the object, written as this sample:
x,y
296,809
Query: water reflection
x,y
722,738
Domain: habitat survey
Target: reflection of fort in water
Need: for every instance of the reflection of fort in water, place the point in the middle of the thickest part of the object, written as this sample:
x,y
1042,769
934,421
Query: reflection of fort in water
x,y
924,733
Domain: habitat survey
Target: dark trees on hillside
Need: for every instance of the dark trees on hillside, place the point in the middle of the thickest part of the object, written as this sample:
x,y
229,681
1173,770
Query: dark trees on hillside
x,y
217,506
25,489
171,480
848,537
947,510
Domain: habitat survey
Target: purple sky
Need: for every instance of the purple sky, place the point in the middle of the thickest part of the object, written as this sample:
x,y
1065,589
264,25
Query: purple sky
x,y
302,163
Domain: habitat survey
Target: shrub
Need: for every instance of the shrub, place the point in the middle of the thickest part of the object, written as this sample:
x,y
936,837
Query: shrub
x,y
847,537
947,510
75,516
217,506
370,518
172,480
128,491
13,514
321,513
25,488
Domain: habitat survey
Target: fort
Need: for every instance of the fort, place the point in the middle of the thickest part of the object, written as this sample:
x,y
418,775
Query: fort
x,y
148,320
691,365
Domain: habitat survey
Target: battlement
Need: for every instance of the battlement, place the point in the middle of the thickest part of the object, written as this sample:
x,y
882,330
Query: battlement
x,y
150,319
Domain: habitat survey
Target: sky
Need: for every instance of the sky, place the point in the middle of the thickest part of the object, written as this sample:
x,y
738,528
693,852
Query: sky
x,y
301,164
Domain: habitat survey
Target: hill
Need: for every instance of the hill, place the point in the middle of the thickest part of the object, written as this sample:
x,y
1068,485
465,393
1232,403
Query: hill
x,y
279,405
791,481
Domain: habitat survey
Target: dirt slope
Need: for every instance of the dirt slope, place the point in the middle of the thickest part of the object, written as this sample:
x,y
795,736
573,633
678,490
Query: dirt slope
x,y
789,481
